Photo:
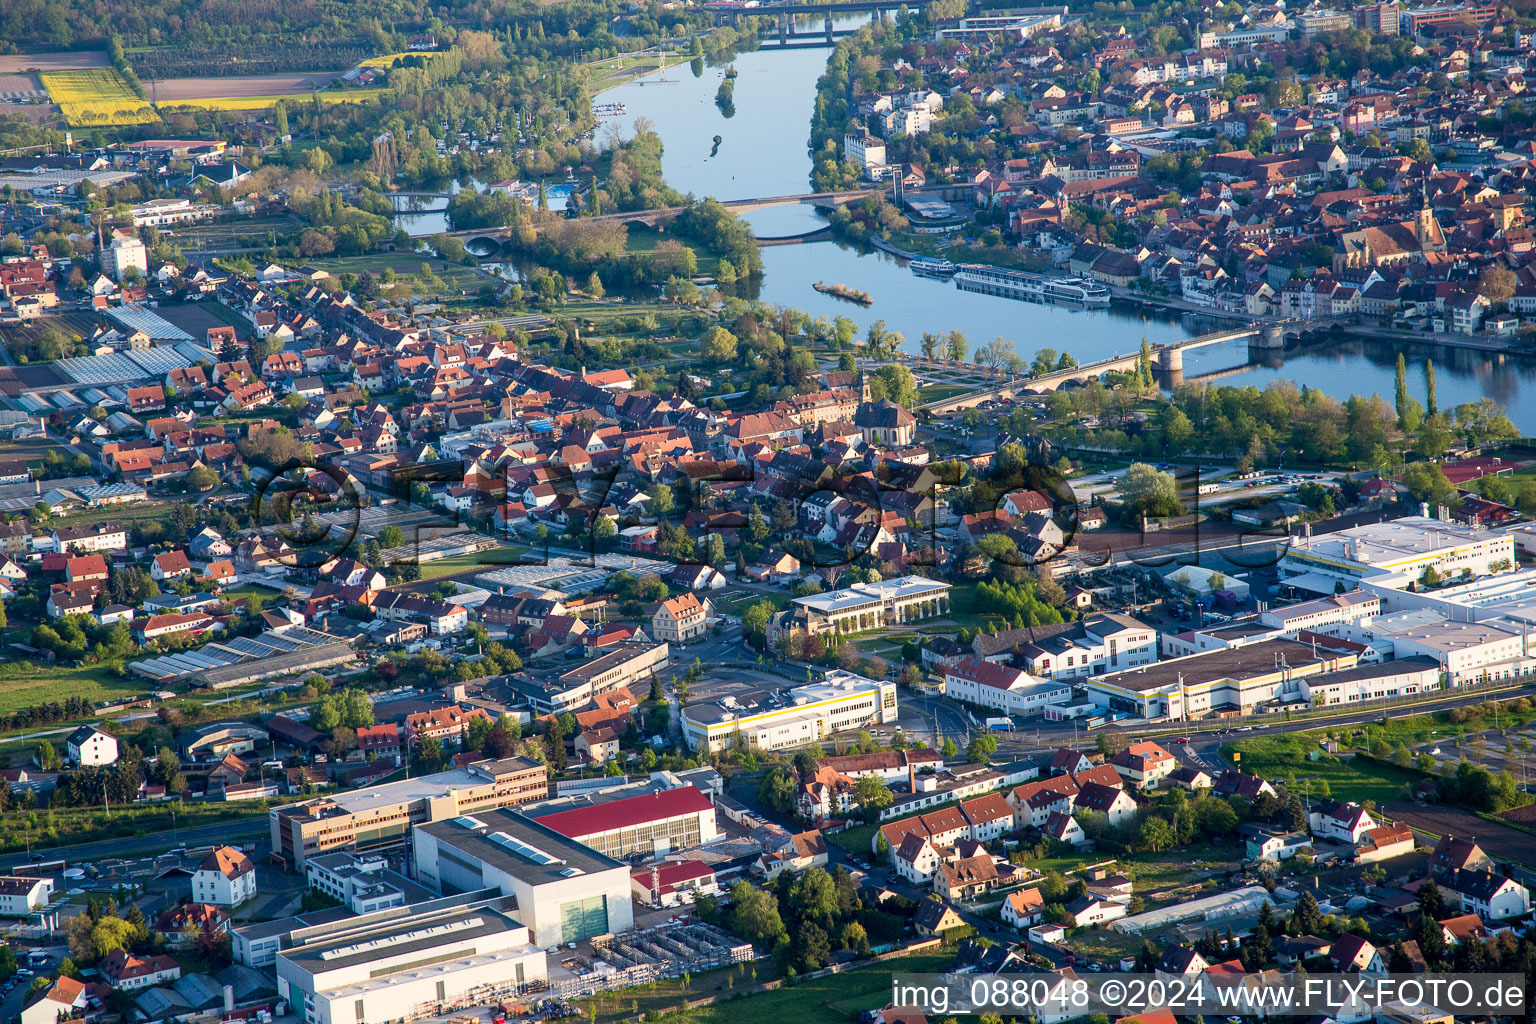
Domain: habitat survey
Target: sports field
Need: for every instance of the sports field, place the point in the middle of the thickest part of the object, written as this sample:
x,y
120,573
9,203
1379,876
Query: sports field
x,y
98,96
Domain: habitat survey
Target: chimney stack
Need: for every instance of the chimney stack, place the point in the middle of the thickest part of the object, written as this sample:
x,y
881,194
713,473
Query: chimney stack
x,y
911,777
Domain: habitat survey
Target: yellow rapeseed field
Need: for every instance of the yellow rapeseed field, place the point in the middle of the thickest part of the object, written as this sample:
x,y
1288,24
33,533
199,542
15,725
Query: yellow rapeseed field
x,y
96,97
388,59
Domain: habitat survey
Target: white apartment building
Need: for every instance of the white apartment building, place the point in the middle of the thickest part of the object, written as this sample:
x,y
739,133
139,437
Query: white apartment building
x,y
1491,897
20,895
1106,642
865,150
87,539
1014,26
126,252
359,882
225,878
1010,690
840,702
89,746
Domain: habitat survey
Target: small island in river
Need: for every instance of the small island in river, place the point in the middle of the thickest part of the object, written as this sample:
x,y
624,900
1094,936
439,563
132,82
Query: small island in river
x,y
842,291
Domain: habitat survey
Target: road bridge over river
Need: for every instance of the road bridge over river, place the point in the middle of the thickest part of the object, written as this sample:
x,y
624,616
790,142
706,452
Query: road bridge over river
x,y
1168,360
824,200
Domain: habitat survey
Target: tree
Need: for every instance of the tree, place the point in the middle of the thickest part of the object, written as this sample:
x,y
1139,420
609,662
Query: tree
x,y
779,788
981,749
1111,743
663,500
1147,491
429,756
813,897
201,478
873,796
1497,285
718,346
1155,834
1306,918
47,756
895,382
955,346
949,750
755,915
811,948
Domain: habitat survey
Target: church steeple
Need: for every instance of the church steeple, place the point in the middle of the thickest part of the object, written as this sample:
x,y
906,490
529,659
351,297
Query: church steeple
x,y
1424,226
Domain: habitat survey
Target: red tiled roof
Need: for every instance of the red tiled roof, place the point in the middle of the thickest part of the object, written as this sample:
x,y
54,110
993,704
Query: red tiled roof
x,y
636,810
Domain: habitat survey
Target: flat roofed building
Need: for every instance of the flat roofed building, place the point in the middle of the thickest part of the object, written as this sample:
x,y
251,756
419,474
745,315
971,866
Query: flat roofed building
x,y
1407,545
407,965
1232,679
1466,651
766,721
565,890
1326,612
381,816
1399,678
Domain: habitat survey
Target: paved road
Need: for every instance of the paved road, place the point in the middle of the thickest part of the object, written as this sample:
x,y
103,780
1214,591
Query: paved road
x,y
1206,743
943,720
157,842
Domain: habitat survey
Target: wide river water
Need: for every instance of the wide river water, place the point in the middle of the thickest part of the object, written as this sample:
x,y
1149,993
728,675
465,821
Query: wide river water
x,y
763,152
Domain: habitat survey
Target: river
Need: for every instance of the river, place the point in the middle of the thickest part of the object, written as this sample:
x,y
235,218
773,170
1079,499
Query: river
x,y
763,152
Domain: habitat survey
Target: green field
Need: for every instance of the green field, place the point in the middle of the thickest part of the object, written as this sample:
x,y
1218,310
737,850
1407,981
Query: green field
x,y
406,265
128,515
480,561
1279,757
42,829
836,997
735,602
23,684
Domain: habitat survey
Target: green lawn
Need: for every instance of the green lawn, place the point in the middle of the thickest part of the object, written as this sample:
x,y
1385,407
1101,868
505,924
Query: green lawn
x,y
836,997
483,561
251,590
734,603
23,684
643,238
128,515
405,265
1278,757
940,392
